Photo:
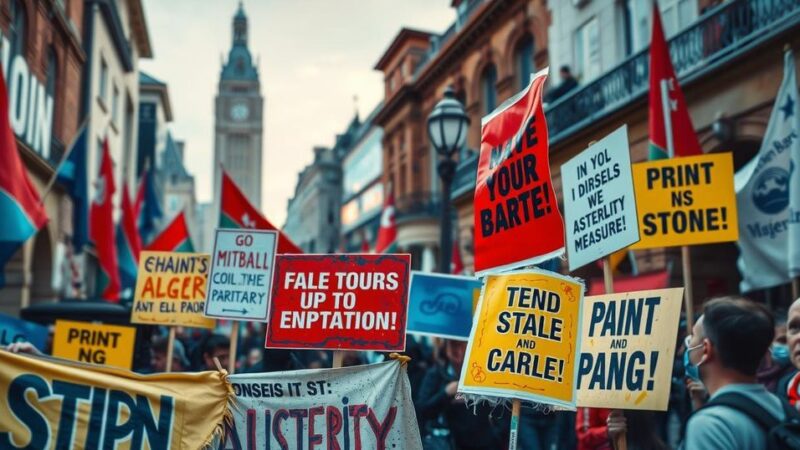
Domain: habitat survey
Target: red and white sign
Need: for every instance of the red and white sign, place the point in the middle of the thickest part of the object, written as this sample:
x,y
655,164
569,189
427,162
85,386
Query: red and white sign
x,y
339,302
517,221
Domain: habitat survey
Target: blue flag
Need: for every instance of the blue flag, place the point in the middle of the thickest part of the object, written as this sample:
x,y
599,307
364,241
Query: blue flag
x,y
72,175
148,207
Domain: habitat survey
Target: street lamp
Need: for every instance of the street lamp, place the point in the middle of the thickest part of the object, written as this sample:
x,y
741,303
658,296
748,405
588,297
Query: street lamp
x,y
447,130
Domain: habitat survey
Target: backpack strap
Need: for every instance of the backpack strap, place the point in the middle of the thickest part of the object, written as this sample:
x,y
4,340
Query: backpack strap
x,y
746,405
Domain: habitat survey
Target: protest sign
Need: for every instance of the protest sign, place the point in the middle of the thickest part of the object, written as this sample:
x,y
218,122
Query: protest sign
x,y
686,201
441,305
45,404
16,330
599,204
171,290
628,348
241,274
340,302
111,345
524,339
361,407
514,196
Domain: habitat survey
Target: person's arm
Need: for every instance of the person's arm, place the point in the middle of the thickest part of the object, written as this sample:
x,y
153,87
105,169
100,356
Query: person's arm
x,y
707,431
597,431
432,397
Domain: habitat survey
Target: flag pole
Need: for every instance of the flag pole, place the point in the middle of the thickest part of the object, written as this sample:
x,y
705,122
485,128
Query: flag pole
x,y
170,345
233,347
338,358
52,181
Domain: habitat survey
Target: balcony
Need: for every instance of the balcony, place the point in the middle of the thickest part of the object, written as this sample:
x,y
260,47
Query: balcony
x,y
721,36
417,205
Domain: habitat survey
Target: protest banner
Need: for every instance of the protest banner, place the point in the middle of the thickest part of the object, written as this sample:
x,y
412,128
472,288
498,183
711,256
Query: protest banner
x,y
111,345
524,339
686,201
599,201
441,305
339,302
361,407
171,290
514,196
49,404
16,330
628,347
240,280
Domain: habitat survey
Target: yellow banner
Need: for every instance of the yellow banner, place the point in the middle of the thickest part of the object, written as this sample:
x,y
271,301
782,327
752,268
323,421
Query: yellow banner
x,y
171,290
46,404
111,345
524,339
686,201
628,348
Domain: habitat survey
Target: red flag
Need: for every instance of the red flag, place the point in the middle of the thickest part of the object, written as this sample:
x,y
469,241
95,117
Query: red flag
x,y
174,238
128,243
237,212
101,227
364,243
387,233
676,131
456,264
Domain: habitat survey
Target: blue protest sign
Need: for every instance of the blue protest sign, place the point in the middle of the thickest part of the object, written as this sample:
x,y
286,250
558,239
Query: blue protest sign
x,y
441,305
16,330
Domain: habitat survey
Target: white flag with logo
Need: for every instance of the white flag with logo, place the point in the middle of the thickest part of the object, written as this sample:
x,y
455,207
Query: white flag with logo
x,y
768,196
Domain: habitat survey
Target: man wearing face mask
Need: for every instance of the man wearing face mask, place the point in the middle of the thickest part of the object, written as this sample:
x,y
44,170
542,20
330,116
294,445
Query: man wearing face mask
x,y
776,364
726,346
789,386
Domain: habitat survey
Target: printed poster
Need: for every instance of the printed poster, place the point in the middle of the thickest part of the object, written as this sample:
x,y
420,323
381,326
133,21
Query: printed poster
x,y
441,305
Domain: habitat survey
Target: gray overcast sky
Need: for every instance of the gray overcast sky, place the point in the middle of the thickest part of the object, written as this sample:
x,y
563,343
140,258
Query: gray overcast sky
x,y
315,55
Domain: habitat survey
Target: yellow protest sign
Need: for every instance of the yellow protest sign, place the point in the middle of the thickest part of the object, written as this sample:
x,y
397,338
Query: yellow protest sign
x,y
524,339
171,289
49,404
627,349
686,201
111,345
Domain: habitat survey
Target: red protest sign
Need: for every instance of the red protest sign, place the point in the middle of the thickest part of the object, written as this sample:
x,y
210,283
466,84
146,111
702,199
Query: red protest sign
x,y
517,221
339,302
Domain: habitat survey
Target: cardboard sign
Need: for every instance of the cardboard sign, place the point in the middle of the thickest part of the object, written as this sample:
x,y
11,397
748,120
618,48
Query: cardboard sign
x,y
241,274
340,302
17,330
110,345
686,201
628,348
171,290
361,407
514,196
441,305
524,339
599,204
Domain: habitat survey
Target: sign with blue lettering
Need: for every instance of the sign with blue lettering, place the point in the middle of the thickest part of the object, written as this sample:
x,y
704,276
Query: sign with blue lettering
x,y
441,305
16,330
599,203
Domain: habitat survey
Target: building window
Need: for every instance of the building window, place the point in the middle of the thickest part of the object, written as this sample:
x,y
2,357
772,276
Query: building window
x,y
637,15
103,94
489,87
115,106
524,60
587,51
18,28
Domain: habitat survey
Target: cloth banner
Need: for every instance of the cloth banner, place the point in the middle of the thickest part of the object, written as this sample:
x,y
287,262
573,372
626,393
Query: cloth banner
x,y
361,407
54,404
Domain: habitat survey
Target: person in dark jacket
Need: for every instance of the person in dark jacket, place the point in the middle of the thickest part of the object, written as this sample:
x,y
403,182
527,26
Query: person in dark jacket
x,y
470,428
568,83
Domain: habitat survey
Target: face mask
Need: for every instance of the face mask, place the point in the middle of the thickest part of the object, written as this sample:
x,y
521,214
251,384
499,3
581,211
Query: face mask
x,y
780,354
692,371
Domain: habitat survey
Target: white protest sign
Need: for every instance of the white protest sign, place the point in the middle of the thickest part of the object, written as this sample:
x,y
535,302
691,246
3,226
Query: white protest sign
x,y
240,282
599,202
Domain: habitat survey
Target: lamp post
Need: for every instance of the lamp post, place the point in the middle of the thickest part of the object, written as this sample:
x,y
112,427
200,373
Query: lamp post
x,y
447,130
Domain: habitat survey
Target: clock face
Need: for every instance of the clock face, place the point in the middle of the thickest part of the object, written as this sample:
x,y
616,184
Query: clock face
x,y
240,112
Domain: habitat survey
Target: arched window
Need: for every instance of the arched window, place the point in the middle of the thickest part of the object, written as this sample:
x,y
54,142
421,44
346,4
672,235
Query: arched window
x,y
523,59
489,87
18,22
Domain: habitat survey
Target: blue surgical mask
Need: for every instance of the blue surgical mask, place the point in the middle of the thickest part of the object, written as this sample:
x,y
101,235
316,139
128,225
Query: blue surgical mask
x,y
780,354
692,371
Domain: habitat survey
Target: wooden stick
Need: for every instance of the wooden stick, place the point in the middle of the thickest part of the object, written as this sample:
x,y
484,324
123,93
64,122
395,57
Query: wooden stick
x,y
686,262
621,441
338,358
233,347
170,345
512,435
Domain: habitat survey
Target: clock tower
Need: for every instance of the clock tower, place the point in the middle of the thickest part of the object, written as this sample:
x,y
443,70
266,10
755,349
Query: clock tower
x,y
239,120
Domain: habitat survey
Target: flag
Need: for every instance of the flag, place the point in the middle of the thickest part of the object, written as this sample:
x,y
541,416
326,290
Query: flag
x,y
21,209
128,243
364,243
673,132
174,238
237,212
456,264
148,209
768,195
72,174
101,228
387,233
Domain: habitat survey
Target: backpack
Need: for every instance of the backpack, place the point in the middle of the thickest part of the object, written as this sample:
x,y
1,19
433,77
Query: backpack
x,y
781,435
